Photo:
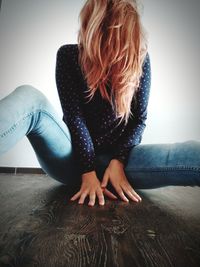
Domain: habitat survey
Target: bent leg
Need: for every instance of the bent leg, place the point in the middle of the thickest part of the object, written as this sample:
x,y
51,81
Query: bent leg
x,y
27,112
157,165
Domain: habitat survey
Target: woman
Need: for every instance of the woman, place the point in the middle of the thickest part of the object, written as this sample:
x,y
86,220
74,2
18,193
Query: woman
x,y
104,85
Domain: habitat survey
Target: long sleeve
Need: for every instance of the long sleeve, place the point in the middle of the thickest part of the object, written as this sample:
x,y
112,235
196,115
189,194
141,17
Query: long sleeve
x,y
71,102
132,134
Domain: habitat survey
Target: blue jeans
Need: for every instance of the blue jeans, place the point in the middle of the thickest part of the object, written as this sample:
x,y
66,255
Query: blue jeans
x,y
27,112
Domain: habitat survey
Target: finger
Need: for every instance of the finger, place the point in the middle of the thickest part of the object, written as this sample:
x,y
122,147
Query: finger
x,y
121,194
105,179
92,199
130,194
75,196
82,198
101,197
134,193
109,194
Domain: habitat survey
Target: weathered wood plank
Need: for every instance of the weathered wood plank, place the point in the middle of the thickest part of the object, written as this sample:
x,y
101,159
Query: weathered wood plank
x,y
39,226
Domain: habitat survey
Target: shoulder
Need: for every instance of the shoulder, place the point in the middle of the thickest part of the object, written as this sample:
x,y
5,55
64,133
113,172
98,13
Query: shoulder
x,y
67,55
67,49
146,62
67,61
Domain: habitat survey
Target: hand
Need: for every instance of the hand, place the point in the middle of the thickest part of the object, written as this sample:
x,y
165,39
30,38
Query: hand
x,y
91,186
115,173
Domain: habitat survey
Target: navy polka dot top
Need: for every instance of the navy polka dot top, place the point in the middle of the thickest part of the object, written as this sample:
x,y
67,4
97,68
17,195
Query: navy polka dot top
x,y
92,124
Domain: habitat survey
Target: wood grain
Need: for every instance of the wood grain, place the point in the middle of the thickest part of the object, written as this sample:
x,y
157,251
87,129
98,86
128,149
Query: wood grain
x,y
39,226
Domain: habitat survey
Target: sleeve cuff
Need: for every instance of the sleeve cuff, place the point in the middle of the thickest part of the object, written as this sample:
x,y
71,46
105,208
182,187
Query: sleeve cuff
x,y
122,158
88,168
123,155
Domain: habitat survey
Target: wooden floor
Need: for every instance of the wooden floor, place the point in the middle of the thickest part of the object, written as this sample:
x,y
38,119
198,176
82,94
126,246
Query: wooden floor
x,y
39,226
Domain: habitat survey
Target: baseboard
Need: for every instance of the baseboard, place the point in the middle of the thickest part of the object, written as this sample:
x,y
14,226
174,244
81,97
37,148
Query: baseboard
x,y
21,170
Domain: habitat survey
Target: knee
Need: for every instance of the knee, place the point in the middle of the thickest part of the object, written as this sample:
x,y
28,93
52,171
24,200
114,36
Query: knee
x,y
28,91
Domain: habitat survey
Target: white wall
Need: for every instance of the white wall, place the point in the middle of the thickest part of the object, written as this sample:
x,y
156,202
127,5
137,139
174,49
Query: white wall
x,y
32,31
174,35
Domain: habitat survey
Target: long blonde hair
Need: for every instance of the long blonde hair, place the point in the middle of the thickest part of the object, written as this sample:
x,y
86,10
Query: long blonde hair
x,y
112,46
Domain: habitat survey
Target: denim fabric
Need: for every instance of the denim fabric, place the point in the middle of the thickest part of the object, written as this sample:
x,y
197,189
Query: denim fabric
x,y
27,112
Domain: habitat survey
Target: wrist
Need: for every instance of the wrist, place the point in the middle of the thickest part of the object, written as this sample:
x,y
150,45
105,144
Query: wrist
x,y
117,161
90,173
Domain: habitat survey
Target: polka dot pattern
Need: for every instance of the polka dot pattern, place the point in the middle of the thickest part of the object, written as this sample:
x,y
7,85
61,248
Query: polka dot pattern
x,y
93,124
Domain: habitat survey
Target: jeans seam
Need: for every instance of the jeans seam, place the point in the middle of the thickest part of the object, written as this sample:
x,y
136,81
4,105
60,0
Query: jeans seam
x,y
15,125
157,169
